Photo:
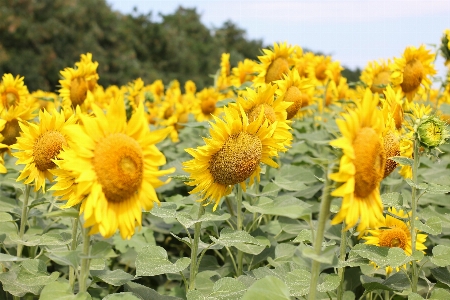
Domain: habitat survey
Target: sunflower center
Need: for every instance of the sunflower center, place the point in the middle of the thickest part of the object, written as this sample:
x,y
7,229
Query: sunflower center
x,y
237,159
382,78
208,106
412,76
78,91
276,69
394,237
392,148
294,95
119,165
320,71
168,112
370,160
11,132
11,97
46,148
269,113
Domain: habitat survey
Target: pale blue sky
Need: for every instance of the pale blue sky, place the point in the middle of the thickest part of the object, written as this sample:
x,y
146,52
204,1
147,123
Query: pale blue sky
x,y
353,31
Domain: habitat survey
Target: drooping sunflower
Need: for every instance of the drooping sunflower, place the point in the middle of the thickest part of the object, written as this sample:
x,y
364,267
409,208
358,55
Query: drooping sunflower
x,y
361,166
231,155
13,92
377,75
74,89
274,63
395,233
115,164
412,70
39,144
263,98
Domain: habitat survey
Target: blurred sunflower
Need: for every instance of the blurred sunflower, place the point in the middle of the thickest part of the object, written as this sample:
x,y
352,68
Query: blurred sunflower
x,y
223,80
377,75
231,155
74,89
45,100
244,72
318,69
274,63
445,46
263,98
412,70
361,167
115,164
134,93
395,233
39,144
393,104
13,117
206,104
13,91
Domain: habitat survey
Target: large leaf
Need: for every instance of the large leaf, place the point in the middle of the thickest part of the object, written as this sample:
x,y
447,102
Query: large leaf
x,y
122,296
441,256
239,239
268,288
117,277
61,291
152,260
145,292
382,256
283,206
298,282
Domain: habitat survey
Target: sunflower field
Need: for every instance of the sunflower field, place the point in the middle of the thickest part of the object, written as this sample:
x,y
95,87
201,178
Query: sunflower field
x,y
280,180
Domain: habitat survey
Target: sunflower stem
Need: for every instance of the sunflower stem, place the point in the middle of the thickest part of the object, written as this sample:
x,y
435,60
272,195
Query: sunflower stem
x,y
323,217
194,249
85,261
342,254
73,246
23,218
415,274
240,254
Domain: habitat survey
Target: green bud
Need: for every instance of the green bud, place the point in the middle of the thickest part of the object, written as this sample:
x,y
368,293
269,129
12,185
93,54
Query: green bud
x,y
431,131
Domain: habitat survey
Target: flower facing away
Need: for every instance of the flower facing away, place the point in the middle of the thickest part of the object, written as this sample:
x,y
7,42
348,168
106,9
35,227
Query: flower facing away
x,y
361,166
432,131
394,232
274,63
114,168
377,75
39,144
231,155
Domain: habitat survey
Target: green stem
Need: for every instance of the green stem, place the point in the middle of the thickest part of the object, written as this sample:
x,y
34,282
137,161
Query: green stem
x,y
323,217
342,254
23,218
73,246
194,248
240,254
415,273
85,261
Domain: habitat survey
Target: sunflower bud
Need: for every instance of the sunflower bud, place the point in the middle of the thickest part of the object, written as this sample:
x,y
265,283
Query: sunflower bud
x,y
431,131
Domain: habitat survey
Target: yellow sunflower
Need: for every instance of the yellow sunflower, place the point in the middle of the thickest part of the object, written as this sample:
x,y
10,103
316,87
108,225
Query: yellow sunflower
x,y
115,164
395,233
45,100
290,89
377,75
244,72
263,98
223,80
13,91
134,93
361,167
393,104
39,144
318,69
274,63
231,155
13,117
206,104
412,70
2,146
391,139
74,89
90,67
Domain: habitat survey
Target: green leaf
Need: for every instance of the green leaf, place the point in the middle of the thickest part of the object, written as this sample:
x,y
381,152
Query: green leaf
x,y
441,275
66,258
288,207
382,256
239,239
63,213
117,277
415,296
7,257
122,296
439,294
101,249
5,217
227,288
268,288
187,221
145,292
392,200
165,210
438,189
405,161
420,186
330,283
289,185
326,257
152,260
61,291
304,235
432,226
441,256
348,295
298,282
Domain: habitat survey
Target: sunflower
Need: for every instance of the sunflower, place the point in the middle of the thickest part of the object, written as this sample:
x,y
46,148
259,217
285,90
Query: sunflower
x,y
206,104
263,98
90,67
13,117
377,75
134,93
244,72
319,69
361,167
393,104
45,100
412,70
223,80
115,164
74,89
2,162
39,144
231,155
290,89
395,233
13,91
302,63
274,63
445,46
